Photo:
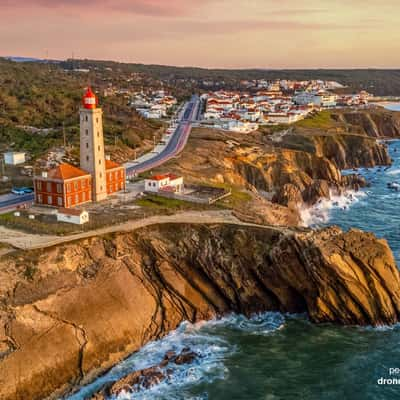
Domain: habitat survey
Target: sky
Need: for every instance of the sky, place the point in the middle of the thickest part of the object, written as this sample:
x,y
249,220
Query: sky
x,y
207,33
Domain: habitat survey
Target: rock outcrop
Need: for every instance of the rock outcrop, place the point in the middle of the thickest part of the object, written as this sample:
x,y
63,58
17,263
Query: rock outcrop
x,y
293,171
145,378
86,305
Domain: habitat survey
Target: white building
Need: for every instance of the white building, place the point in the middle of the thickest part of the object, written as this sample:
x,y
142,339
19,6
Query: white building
x,y
72,216
239,126
166,182
284,117
321,99
14,158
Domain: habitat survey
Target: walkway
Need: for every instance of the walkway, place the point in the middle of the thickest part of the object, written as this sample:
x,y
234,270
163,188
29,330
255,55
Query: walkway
x,y
29,241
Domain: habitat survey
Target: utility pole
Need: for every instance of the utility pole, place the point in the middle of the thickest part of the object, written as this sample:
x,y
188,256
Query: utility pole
x,y
2,167
64,135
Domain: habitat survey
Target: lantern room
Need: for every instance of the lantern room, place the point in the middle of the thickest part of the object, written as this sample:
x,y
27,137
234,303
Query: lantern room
x,y
89,99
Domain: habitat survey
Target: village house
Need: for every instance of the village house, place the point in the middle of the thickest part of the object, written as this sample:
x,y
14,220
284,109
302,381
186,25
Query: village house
x,y
72,216
166,182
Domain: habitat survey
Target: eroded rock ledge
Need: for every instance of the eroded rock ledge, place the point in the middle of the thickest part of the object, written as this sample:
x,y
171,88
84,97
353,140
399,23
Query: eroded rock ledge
x,y
93,302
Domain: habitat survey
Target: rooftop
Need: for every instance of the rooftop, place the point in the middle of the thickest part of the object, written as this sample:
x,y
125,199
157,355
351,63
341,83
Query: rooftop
x,y
66,171
111,164
70,211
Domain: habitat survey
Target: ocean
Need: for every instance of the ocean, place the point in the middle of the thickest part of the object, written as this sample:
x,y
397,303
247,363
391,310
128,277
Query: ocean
x,y
285,357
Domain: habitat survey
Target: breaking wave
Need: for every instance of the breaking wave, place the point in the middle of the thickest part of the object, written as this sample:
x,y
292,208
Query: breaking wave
x,y
205,339
320,213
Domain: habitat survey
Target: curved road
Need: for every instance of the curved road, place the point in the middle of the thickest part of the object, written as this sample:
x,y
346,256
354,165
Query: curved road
x,y
175,145
177,142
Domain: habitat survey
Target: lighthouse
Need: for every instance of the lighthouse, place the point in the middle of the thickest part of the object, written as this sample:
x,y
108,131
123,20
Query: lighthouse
x,y
67,186
92,158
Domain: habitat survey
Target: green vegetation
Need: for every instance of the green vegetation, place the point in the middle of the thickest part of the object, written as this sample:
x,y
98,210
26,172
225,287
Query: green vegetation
x,y
37,226
381,82
45,96
164,203
238,196
30,272
320,120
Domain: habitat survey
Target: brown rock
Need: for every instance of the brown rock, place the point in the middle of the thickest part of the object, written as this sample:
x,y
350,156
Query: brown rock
x,y
66,336
317,190
289,195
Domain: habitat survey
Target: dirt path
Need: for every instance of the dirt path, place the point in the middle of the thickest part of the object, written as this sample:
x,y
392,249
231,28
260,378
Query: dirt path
x,y
28,241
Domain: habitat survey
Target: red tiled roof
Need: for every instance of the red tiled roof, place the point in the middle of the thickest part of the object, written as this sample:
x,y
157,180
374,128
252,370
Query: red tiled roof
x,y
158,177
111,164
66,171
163,176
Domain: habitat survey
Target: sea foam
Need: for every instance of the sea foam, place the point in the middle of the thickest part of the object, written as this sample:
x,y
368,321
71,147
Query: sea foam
x,y
202,338
320,212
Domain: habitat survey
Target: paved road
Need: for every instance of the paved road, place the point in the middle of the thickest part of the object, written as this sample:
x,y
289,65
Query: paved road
x,y
175,145
12,201
189,114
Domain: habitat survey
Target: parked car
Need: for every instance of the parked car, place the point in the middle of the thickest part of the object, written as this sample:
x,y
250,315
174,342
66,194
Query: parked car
x,y
22,190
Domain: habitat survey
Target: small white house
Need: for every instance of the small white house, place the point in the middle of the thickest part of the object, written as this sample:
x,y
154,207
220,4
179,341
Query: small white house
x,y
166,182
72,216
14,158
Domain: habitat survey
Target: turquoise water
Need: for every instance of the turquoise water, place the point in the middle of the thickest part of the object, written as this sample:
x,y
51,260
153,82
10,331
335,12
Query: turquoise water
x,y
279,357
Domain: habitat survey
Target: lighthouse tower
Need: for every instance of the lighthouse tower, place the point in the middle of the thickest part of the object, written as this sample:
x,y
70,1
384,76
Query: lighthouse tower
x,y
92,144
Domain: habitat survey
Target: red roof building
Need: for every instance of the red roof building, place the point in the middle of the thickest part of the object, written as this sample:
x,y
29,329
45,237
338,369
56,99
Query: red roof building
x,y
68,186
64,186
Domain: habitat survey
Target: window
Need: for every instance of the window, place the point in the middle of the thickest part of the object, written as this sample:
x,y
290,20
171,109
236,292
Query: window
x,y
59,201
87,145
77,198
39,185
49,200
59,189
76,186
101,175
48,186
97,120
98,134
83,183
40,198
87,158
98,147
86,118
100,162
68,187
84,196
101,188
87,132
69,200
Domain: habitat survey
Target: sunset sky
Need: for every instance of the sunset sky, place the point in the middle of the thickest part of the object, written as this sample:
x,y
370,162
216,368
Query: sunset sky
x,y
207,33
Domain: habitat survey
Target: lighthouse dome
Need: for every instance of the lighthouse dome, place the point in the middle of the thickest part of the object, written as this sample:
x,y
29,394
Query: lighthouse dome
x,y
89,99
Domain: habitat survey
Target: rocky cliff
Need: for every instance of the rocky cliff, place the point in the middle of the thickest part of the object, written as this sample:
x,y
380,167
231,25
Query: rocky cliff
x,y
69,312
305,163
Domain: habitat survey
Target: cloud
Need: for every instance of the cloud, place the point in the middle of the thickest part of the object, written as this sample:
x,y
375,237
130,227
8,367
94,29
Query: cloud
x,y
171,8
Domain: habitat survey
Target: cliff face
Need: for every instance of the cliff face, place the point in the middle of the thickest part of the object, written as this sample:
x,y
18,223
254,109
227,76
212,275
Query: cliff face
x,y
91,303
307,162
375,122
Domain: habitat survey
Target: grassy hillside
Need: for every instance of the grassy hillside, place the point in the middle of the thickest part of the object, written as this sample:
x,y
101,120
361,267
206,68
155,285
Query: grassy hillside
x,y
378,81
47,97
